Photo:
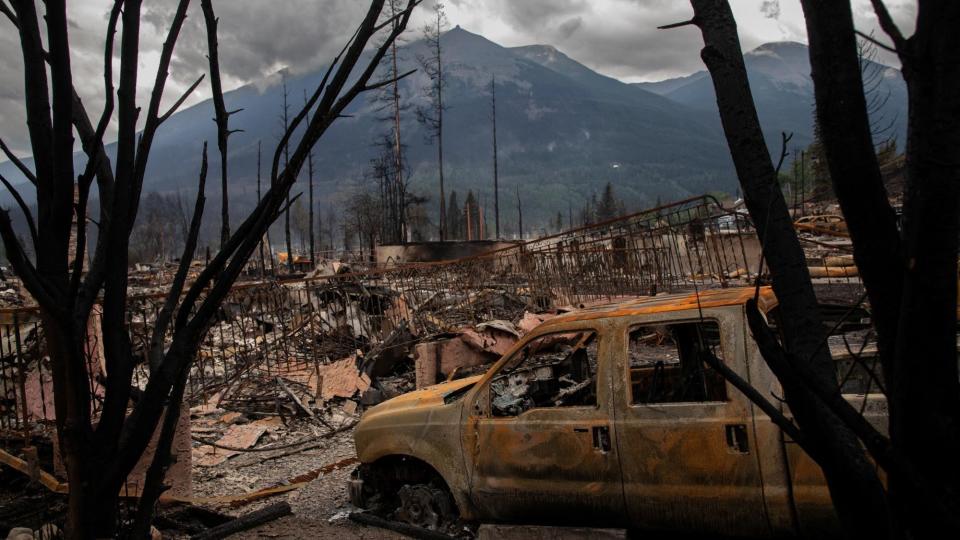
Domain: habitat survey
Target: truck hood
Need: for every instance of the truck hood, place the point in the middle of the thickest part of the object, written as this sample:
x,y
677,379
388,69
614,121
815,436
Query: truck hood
x,y
430,396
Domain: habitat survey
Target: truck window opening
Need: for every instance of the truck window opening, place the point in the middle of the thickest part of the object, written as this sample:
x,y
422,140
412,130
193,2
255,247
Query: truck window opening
x,y
667,363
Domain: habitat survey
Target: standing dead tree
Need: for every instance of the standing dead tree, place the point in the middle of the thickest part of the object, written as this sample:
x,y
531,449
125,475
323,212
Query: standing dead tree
x,y
221,117
910,277
100,452
313,257
285,117
263,267
393,98
496,176
432,117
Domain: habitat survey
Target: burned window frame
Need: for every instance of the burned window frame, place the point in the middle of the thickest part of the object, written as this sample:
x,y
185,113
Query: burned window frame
x,y
484,405
724,349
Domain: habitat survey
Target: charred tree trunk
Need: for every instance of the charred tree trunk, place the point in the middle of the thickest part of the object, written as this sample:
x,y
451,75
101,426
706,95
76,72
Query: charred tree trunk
x,y
286,163
100,458
856,490
263,267
911,279
397,140
222,117
496,177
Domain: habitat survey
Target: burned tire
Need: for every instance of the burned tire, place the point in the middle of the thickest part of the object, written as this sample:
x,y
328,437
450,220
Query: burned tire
x,y
425,505
405,489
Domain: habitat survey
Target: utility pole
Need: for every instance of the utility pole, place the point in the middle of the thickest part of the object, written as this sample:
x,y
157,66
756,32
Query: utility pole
x,y
496,186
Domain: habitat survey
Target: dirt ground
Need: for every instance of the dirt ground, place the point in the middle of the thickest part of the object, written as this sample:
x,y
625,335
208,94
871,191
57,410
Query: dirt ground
x,y
319,509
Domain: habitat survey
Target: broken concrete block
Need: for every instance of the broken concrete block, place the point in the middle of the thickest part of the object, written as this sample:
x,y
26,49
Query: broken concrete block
x,y
436,360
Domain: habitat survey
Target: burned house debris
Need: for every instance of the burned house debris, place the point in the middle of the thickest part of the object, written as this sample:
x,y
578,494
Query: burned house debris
x,y
288,367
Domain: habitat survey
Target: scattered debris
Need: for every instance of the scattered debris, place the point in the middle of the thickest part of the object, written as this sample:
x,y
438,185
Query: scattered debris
x,y
238,437
342,379
246,521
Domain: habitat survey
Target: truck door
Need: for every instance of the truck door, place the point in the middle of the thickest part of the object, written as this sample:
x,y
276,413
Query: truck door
x,y
686,439
538,437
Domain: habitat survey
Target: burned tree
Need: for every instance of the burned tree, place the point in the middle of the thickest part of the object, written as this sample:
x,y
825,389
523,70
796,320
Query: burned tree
x,y
910,276
432,116
263,267
455,221
222,116
393,149
285,118
392,191
313,258
496,175
100,452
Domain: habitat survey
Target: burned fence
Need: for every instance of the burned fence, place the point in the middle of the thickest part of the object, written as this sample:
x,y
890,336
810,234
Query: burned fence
x,y
275,343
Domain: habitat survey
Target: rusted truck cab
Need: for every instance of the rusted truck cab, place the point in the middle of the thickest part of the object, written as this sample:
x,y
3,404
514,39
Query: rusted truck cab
x,y
607,416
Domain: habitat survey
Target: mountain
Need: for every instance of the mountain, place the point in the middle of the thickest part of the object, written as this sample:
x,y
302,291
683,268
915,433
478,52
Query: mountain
x,y
780,81
563,132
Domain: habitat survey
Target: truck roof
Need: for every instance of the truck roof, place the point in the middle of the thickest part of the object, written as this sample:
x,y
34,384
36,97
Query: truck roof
x,y
708,298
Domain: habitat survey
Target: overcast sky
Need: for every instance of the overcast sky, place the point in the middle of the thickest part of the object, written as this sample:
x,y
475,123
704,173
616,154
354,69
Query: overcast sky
x,y
259,37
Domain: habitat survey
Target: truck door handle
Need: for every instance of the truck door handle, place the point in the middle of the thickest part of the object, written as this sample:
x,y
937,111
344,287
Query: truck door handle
x,y
601,438
737,440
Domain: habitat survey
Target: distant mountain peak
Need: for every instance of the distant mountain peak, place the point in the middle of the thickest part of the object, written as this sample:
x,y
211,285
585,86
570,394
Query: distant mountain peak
x,y
779,46
546,55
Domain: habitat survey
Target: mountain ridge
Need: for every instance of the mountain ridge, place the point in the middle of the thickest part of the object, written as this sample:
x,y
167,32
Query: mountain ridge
x,y
564,130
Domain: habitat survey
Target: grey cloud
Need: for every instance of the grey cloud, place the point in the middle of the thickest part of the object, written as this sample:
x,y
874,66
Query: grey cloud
x,y
257,38
568,27
770,9
616,37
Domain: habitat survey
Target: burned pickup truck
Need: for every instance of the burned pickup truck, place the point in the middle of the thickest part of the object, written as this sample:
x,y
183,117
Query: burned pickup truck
x,y
607,416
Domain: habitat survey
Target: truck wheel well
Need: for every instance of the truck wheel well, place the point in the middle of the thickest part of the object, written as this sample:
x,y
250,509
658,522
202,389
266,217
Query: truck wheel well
x,y
384,477
403,469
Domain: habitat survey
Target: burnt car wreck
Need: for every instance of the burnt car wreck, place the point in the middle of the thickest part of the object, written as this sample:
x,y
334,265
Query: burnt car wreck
x,y
609,416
